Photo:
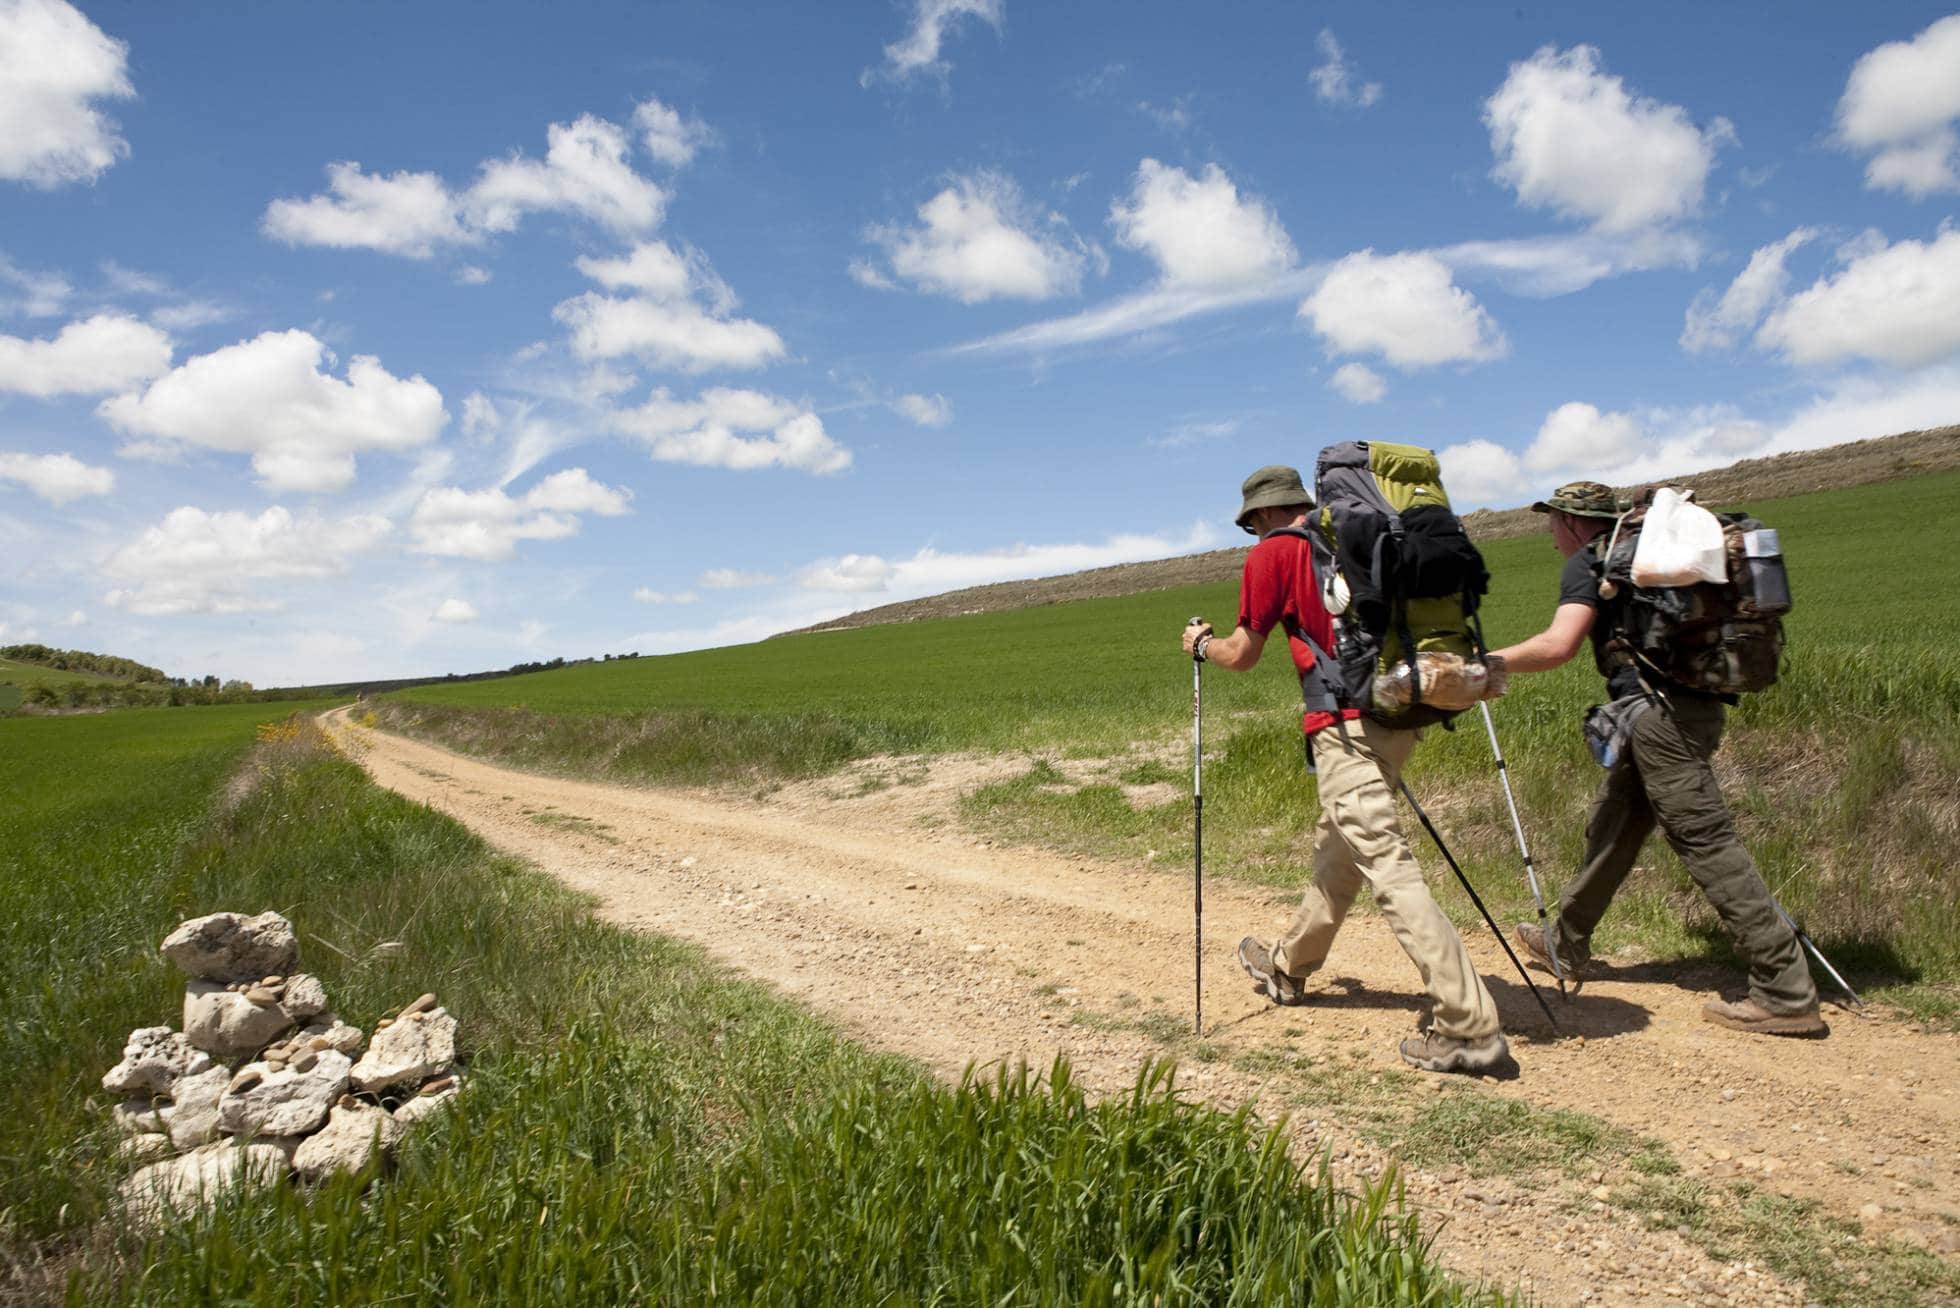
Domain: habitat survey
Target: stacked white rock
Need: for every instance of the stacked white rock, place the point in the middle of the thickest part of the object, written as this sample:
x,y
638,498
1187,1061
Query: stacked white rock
x,y
263,1081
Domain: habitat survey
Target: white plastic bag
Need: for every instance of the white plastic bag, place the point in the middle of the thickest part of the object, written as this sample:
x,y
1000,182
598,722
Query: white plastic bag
x,y
1680,543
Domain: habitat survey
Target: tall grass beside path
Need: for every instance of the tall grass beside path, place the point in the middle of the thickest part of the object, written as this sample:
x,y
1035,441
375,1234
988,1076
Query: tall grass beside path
x,y
637,1126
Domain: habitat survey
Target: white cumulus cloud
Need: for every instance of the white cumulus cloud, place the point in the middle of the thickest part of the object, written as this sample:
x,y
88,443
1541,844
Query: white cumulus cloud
x,y
109,352
454,610
736,429
1577,436
1896,304
926,410
678,314
403,213
669,136
1570,137
199,562
853,572
268,397
487,524
585,171
56,478
1404,307
1717,322
674,334
1900,105
978,239
55,65
1334,80
647,596
918,51
1200,231
1357,383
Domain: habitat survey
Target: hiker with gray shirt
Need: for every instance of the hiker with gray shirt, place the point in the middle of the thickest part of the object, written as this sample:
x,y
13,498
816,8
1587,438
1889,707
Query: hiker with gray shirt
x,y
1658,738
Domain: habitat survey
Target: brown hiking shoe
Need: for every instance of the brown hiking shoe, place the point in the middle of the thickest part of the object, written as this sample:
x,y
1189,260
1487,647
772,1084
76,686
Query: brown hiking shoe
x,y
1280,987
1531,939
1440,1053
1748,1015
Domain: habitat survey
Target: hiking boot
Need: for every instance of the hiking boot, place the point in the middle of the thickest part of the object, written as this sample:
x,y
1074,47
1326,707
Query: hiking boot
x,y
1278,986
1440,1053
1532,939
1748,1015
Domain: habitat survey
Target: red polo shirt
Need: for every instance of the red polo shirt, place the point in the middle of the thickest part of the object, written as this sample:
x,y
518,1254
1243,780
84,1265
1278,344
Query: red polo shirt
x,y
1278,590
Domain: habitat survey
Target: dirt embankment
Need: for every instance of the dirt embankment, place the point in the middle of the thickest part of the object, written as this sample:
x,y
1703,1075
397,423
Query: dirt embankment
x,y
861,896
1886,458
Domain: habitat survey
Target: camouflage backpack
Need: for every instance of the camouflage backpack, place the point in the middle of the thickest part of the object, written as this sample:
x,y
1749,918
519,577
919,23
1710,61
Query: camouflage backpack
x,y
1719,638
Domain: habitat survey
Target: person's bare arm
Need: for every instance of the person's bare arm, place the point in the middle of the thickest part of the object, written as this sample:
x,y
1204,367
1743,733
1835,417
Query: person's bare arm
x,y
1238,651
1553,646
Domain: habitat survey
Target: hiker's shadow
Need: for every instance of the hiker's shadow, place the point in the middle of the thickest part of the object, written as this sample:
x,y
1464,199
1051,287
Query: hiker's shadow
x,y
1589,1013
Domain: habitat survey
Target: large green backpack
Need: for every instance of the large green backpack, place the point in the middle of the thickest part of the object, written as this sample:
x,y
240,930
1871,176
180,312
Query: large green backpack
x,y
1398,574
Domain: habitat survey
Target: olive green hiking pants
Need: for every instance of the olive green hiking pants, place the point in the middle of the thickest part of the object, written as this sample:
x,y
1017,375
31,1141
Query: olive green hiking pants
x,y
1665,778
1359,840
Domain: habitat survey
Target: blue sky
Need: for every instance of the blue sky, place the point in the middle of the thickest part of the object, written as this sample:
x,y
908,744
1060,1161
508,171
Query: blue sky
x,y
365,340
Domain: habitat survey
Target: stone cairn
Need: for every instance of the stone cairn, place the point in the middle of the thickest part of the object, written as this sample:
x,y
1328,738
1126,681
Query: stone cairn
x,y
264,1082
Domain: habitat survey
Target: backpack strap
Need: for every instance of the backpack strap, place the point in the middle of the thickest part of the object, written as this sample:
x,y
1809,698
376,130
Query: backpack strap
x,y
1321,685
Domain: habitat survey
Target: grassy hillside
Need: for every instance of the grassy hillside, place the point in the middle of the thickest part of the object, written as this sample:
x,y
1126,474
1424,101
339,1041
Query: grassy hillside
x,y
1858,463
17,678
639,1126
1845,775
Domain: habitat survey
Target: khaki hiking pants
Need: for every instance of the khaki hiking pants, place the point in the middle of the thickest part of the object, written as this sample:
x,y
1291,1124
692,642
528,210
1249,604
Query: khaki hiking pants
x,y
1665,778
1359,840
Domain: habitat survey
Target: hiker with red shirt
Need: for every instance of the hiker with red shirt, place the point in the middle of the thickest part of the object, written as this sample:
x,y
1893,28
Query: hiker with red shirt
x,y
1359,839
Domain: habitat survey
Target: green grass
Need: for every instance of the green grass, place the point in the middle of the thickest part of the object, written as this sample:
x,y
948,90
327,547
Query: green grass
x,y
638,1127
17,678
1844,776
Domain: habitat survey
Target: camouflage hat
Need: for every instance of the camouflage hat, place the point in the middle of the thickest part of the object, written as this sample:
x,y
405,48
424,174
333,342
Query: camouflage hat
x,y
1273,486
1581,499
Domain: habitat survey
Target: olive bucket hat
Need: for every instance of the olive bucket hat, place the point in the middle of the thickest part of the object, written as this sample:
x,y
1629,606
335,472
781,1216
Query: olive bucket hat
x,y
1581,499
1274,485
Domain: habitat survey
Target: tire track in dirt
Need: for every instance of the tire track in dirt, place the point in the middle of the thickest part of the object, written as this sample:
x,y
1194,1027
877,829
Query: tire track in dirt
x,y
938,946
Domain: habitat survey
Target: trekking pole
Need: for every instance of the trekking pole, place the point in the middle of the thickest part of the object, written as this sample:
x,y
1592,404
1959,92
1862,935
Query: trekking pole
x,y
1197,840
1450,858
1524,851
1804,939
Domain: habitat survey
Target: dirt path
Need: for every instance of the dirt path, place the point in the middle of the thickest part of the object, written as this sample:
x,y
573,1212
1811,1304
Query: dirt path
x,y
935,944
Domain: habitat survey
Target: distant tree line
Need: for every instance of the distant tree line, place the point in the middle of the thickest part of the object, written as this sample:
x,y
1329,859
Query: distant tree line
x,y
81,660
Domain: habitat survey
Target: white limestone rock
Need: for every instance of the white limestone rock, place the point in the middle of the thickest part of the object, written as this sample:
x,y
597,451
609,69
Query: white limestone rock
x,y
414,1048
337,1034
229,947
227,1023
264,1101
196,1180
143,1115
434,1100
194,1119
305,996
354,1133
153,1058
148,1147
